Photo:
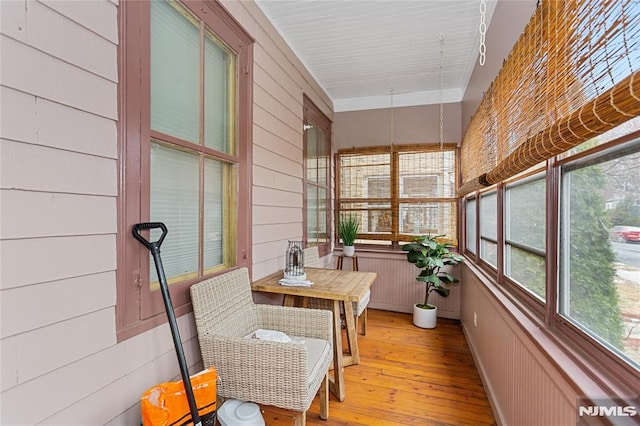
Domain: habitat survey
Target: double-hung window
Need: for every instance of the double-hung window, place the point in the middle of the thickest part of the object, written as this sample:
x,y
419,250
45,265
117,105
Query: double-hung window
x,y
525,233
317,169
184,145
399,192
470,225
599,275
489,228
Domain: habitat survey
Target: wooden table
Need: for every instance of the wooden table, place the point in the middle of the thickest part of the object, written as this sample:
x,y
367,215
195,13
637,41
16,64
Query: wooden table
x,y
340,288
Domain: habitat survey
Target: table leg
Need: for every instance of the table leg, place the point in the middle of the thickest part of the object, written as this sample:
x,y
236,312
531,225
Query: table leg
x,y
295,301
337,386
352,332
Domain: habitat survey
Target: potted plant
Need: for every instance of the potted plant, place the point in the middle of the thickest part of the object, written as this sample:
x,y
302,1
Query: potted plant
x,y
348,230
430,255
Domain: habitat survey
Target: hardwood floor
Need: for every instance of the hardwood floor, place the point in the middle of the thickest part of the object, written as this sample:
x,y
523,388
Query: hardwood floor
x,y
406,376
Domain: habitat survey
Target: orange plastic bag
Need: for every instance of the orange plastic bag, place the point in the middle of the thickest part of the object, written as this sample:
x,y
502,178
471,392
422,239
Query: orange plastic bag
x,y
166,404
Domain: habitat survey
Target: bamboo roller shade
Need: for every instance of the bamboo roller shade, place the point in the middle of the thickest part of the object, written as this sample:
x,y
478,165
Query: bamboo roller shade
x,y
573,75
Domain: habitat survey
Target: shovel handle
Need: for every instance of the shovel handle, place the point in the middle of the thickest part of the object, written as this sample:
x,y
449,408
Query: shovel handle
x,y
148,226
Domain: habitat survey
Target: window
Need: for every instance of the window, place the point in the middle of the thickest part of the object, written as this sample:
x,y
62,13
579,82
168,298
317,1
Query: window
x,y
525,226
591,290
399,192
599,289
589,137
470,226
184,142
489,228
317,150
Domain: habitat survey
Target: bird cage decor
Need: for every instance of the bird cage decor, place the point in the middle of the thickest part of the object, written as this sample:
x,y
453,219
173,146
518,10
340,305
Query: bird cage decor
x,y
294,267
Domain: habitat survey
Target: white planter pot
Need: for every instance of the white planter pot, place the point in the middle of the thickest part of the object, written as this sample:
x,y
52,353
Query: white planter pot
x,y
348,250
425,318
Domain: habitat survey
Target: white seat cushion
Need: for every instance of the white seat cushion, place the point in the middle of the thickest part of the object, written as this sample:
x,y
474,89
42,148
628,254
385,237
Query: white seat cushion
x,y
361,305
318,350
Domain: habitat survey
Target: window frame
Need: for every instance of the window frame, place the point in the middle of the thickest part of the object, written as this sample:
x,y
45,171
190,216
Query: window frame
x,y
395,238
603,365
134,142
583,340
530,177
497,191
468,251
312,114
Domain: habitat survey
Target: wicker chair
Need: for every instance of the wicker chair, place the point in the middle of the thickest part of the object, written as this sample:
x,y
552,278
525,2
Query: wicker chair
x,y
286,375
312,259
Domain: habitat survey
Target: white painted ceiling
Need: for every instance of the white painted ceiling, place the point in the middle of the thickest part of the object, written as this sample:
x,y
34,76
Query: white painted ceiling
x,y
363,51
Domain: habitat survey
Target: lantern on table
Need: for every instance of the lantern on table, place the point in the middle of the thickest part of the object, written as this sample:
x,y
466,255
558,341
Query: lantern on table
x,y
294,261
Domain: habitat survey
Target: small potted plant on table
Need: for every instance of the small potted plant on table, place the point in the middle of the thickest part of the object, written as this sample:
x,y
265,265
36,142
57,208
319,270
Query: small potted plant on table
x,y
348,230
430,255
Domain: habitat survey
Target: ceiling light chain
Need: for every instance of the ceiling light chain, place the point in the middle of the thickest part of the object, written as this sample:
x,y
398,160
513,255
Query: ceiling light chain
x,y
441,89
392,124
483,31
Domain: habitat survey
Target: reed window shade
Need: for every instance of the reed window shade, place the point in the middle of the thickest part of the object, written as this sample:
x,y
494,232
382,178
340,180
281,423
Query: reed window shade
x,y
399,192
573,75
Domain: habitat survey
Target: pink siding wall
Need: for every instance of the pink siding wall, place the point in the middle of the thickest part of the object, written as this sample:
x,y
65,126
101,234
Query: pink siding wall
x,y
58,187
280,80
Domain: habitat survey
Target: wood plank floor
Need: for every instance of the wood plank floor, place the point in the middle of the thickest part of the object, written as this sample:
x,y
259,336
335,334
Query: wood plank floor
x,y
406,376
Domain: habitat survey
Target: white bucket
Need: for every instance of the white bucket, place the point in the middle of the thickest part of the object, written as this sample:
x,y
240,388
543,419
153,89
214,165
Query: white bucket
x,y
234,412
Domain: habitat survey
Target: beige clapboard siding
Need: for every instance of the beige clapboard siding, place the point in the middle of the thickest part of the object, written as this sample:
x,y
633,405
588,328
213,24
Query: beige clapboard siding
x,y
59,180
54,302
29,70
276,162
264,215
271,197
265,119
276,232
19,115
265,251
115,377
274,180
38,260
48,348
273,142
39,168
73,43
66,94
278,106
128,387
46,214
97,16
26,118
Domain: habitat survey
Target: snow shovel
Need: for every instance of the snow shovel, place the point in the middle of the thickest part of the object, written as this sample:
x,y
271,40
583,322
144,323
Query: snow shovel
x,y
154,247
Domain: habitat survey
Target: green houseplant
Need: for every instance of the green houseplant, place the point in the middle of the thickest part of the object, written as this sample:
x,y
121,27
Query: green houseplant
x,y
430,255
348,230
